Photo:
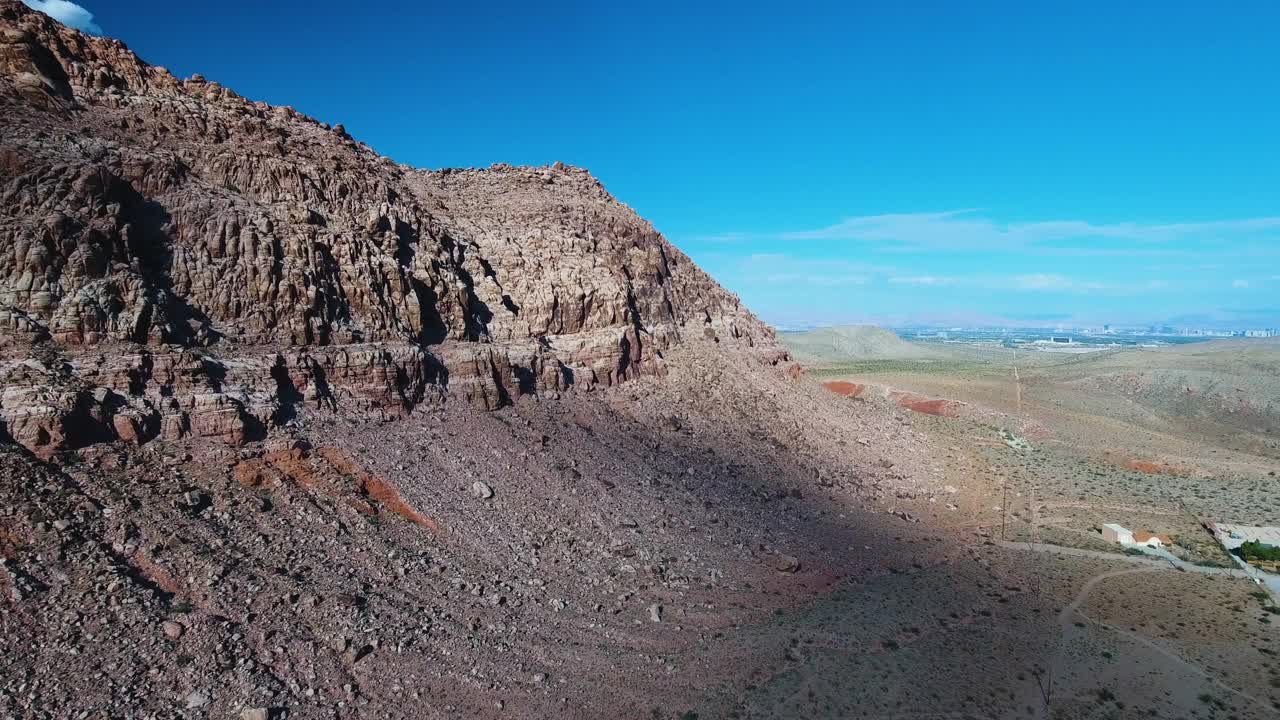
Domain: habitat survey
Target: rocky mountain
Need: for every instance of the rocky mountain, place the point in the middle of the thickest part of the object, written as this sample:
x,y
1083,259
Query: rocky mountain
x,y
205,263
291,432
288,430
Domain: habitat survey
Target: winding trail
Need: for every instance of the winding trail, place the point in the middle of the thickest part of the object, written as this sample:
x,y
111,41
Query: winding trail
x,y
1017,386
1068,628
1064,616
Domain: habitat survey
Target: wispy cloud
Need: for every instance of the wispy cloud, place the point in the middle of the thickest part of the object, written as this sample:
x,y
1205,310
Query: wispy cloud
x,y
726,237
928,280
967,261
1050,282
67,13
781,269
1252,311
966,230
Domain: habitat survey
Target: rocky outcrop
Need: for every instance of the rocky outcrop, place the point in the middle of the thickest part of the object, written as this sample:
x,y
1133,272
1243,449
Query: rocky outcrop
x,y
212,263
176,393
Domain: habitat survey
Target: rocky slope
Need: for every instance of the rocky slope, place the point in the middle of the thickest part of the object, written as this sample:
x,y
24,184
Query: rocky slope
x,y
598,554
288,430
208,264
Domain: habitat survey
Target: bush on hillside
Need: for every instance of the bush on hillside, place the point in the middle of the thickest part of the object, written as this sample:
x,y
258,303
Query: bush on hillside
x,y
1254,550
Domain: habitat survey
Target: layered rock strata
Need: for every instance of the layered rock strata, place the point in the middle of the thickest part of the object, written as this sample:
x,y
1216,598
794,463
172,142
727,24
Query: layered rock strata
x,y
188,261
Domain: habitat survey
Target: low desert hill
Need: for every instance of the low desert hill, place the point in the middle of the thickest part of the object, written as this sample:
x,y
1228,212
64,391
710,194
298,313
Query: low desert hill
x,y
1229,383
853,343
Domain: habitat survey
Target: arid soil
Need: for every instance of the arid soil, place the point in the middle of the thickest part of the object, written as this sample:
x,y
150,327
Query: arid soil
x,y
1203,413
290,430
1051,451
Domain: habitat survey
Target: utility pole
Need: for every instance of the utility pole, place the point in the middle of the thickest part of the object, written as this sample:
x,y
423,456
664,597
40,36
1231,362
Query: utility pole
x,y
1004,505
1031,511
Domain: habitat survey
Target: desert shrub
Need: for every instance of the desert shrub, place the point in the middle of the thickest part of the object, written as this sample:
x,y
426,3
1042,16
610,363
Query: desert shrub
x,y
1254,550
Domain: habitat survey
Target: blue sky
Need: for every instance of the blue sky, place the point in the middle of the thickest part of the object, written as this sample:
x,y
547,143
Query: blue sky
x,y
1002,162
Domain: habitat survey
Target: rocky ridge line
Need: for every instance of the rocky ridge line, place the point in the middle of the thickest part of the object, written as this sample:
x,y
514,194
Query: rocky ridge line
x,y
177,260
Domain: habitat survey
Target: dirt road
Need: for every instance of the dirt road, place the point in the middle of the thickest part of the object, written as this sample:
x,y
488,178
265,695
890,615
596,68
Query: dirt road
x,y
1156,563
1053,680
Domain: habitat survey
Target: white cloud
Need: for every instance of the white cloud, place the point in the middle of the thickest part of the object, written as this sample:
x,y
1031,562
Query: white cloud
x,y
1240,284
921,280
1042,281
964,230
67,13
779,269
829,280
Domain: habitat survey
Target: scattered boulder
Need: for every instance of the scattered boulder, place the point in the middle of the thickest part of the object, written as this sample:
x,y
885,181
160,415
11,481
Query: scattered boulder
x,y
172,630
196,699
783,563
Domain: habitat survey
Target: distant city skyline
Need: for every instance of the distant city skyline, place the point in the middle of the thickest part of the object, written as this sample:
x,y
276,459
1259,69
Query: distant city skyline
x,y
1000,163
1100,330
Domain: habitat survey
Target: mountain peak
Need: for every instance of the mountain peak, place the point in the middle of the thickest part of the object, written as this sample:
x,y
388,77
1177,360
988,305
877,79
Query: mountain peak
x,y
150,212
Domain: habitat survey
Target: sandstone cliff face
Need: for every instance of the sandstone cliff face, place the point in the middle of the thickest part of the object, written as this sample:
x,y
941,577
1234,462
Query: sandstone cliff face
x,y
209,263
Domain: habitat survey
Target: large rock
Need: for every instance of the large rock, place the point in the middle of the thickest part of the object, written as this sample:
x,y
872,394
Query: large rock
x,y
159,215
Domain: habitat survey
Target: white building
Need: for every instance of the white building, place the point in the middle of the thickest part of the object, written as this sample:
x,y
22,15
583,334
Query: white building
x,y
1112,532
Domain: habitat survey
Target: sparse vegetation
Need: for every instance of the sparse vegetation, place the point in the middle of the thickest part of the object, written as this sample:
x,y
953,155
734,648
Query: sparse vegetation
x,y
1254,550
